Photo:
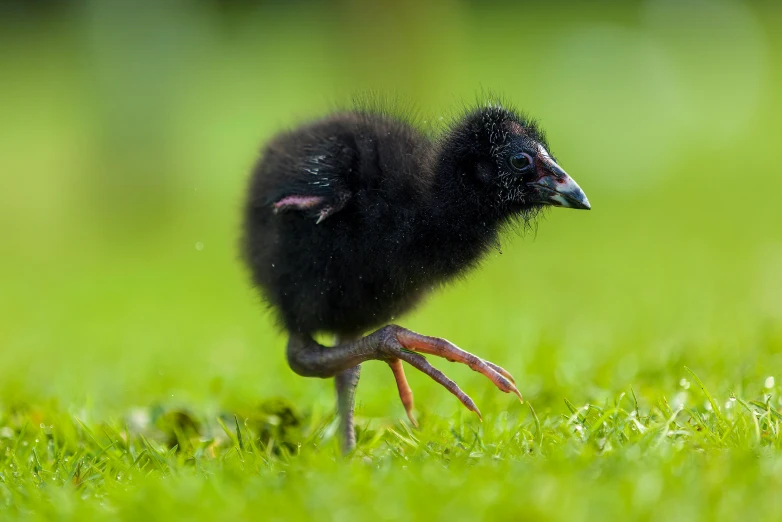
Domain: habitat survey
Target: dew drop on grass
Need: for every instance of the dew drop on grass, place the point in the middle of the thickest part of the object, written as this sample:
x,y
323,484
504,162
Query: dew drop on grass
x,y
684,383
769,382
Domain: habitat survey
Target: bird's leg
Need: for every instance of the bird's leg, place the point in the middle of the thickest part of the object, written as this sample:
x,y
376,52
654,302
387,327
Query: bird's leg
x,y
391,344
346,383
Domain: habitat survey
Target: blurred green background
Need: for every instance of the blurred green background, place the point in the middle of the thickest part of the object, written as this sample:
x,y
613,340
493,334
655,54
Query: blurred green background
x,y
128,131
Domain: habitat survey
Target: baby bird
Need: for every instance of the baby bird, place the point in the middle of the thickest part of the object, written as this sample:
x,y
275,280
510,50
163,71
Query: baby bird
x,y
350,220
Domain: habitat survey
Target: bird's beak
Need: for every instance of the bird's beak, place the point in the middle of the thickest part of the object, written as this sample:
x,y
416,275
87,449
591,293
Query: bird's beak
x,y
554,187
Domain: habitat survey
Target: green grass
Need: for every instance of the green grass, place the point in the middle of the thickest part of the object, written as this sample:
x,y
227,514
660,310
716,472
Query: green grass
x,y
140,377
594,460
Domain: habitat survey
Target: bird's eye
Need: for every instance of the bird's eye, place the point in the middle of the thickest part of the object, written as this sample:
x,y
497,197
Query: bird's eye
x,y
521,161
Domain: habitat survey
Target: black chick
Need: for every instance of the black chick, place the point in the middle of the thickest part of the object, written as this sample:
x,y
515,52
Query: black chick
x,y
351,219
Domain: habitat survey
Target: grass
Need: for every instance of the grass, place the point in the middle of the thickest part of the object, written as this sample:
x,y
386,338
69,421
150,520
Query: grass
x,y
611,460
141,379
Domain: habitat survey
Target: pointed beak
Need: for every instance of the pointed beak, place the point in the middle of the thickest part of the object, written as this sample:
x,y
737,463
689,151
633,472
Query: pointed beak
x,y
554,187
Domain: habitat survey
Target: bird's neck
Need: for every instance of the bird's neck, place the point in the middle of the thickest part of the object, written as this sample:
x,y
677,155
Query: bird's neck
x,y
455,229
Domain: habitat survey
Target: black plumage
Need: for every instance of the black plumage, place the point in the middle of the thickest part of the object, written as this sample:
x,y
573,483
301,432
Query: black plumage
x,y
351,219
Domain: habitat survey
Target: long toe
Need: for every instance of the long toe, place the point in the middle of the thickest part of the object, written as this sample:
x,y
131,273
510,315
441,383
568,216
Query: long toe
x,y
441,348
405,393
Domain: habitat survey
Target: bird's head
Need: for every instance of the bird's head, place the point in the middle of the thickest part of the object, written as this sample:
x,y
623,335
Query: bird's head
x,y
503,158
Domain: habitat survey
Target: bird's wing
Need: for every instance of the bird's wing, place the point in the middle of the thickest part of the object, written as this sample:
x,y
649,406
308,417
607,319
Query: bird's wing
x,y
318,182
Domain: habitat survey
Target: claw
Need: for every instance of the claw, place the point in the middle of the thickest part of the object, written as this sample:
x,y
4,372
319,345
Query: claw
x,y
324,213
501,371
420,363
442,348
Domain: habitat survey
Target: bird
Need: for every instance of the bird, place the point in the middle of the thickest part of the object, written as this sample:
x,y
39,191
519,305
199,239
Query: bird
x,y
352,218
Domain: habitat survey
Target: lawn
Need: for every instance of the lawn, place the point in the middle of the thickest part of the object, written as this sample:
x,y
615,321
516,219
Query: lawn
x,y
141,377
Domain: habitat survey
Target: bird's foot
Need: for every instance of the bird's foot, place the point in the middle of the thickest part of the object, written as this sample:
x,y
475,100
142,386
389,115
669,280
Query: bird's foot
x,y
400,344
392,344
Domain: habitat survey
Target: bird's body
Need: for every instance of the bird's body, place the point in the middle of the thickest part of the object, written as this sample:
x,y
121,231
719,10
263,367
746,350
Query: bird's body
x,y
351,219
399,232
